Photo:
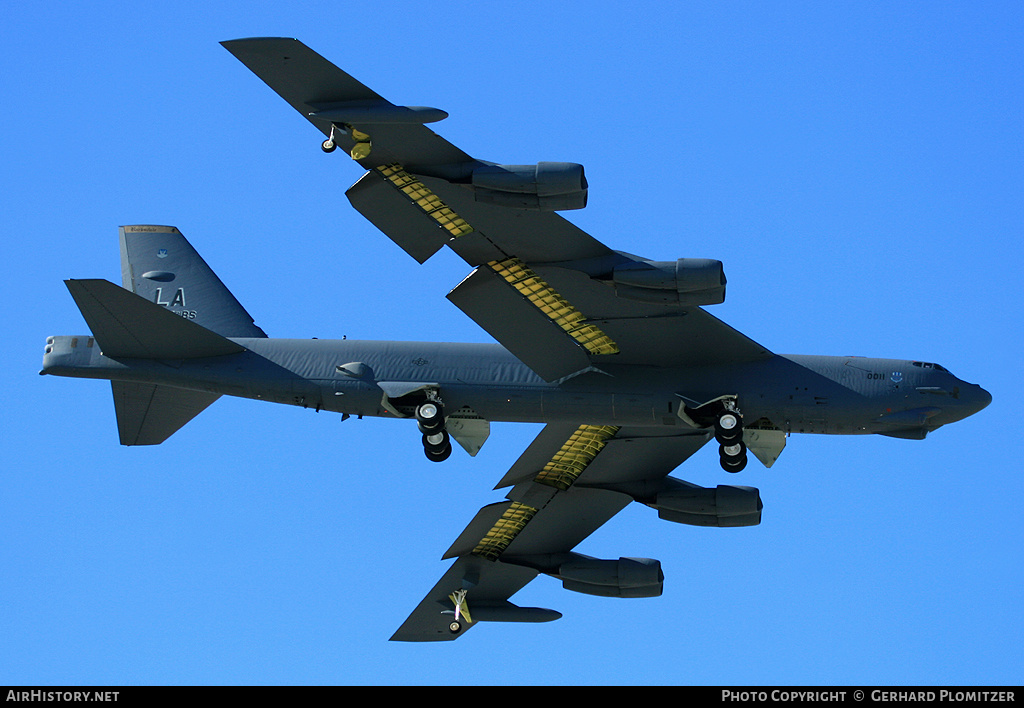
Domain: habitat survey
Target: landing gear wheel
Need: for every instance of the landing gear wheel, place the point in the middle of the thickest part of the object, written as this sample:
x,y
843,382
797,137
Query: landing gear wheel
x,y
454,626
733,456
438,455
733,464
430,416
732,451
729,427
328,145
437,441
728,421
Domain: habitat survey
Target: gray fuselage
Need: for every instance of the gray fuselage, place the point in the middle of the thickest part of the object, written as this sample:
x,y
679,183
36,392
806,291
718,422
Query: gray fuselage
x,y
795,394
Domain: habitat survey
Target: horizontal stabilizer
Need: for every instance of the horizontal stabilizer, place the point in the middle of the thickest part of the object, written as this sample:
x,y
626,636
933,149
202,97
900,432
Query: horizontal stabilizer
x,y
126,325
148,414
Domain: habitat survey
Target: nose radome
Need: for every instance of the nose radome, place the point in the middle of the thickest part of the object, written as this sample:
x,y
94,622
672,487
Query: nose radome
x,y
982,398
973,398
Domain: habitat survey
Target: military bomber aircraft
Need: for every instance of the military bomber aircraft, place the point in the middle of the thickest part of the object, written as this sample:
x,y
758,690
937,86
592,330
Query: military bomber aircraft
x,y
611,351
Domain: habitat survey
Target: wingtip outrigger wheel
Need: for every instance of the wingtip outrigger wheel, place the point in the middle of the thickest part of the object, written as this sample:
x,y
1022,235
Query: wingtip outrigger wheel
x,y
458,599
329,145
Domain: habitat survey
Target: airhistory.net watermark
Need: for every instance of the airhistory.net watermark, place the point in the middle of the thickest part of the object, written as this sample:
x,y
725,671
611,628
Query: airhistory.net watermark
x,y
42,696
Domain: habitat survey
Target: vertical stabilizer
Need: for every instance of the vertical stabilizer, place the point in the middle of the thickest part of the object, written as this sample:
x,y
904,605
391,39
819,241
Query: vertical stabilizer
x,y
158,264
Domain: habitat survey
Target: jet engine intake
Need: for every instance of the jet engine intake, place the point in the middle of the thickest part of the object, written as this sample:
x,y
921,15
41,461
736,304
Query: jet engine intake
x,y
546,186
724,506
687,282
625,577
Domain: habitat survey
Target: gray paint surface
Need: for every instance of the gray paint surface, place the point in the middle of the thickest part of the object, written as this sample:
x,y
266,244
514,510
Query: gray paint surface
x,y
673,361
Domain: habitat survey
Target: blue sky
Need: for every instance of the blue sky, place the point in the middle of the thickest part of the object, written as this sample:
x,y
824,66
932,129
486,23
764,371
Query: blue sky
x,y
857,167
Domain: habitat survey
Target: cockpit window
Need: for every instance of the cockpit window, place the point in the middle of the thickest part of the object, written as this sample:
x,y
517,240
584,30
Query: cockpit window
x,y
928,365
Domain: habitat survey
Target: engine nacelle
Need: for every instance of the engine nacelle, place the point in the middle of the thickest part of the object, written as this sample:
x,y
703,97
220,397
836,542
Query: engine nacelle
x,y
626,577
687,282
546,186
725,506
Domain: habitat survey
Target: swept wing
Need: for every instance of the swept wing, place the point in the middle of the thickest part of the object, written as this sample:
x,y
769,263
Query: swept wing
x,y
568,482
553,295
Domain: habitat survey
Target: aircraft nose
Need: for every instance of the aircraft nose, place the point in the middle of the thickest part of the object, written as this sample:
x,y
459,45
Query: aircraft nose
x,y
980,398
973,398
969,399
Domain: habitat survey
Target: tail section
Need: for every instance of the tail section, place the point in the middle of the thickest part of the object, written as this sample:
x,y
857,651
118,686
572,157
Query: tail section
x,y
128,326
172,307
148,414
158,264
125,327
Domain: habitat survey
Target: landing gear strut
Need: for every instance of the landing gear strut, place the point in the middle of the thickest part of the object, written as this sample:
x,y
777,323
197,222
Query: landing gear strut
x,y
329,145
437,444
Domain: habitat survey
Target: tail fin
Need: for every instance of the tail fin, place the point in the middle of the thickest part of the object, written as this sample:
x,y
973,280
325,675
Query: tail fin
x,y
179,310
126,325
148,414
158,264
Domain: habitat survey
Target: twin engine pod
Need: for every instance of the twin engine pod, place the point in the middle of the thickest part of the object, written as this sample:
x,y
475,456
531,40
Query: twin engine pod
x,y
724,506
686,282
625,577
546,186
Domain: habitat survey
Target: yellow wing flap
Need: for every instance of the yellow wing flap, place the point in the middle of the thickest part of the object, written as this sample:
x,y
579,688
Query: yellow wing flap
x,y
496,526
559,310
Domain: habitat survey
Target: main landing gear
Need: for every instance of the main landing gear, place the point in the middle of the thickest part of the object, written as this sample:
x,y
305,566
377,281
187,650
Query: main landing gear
x,y
732,453
437,444
725,418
